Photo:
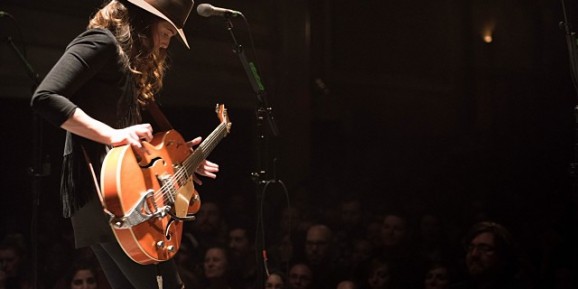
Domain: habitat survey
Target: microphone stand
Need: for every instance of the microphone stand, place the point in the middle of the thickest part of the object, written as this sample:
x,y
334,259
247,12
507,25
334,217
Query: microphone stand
x,y
38,169
264,114
572,49
573,57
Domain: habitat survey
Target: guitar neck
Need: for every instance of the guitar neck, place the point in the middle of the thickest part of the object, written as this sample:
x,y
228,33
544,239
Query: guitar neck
x,y
205,148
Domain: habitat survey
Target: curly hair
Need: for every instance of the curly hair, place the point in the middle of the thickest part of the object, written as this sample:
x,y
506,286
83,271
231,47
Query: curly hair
x,y
132,28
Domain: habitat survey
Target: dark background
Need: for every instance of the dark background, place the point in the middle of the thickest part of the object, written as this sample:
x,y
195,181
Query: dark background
x,y
399,102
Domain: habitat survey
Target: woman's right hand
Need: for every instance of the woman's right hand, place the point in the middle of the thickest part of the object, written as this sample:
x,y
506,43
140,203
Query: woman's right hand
x,y
83,125
133,135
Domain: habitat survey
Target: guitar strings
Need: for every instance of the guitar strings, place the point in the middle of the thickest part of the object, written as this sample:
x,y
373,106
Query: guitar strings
x,y
165,189
181,173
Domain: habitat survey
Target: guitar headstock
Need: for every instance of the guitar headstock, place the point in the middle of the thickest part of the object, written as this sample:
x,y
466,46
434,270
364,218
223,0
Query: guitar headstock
x,y
223,116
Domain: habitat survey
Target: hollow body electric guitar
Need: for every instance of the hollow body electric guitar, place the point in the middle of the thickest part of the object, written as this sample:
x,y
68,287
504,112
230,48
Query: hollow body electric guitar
x,y
148,195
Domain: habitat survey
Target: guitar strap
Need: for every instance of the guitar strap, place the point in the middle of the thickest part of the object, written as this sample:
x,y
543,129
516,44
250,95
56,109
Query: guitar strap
x,y
158,116
95,180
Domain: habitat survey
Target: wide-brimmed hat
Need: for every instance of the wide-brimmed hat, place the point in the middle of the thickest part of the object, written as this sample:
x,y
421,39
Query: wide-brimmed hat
x,y
175,12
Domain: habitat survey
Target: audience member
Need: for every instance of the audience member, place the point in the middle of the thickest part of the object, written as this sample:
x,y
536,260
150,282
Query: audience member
x,y
394,231
82,276
362,252
491,258
346,284
399,250
290,220
350,226
438,275
289,242
432,239
373,232
351,215
319,253
13,270
301,276
217,273
243,259
276,280
209,228
56,247
56,257
282,254
318,245
189,270
82,272
210,223
294,221
378,275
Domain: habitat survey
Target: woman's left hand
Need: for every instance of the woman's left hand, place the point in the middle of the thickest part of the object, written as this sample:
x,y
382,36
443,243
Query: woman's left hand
x,y
206,168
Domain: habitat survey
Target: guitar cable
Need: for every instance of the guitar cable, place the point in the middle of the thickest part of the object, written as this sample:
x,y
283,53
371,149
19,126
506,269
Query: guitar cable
x,y
261,225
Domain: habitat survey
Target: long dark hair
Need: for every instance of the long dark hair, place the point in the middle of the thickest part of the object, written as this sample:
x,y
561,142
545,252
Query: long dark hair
x,y
132,28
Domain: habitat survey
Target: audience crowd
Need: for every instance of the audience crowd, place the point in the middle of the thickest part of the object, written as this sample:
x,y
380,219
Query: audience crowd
x,y
345,244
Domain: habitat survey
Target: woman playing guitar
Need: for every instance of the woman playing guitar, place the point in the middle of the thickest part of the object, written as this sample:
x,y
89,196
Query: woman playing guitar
x,y
96,92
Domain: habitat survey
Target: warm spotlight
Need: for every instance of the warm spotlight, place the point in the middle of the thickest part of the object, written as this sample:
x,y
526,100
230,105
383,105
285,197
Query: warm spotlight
x,y
488,31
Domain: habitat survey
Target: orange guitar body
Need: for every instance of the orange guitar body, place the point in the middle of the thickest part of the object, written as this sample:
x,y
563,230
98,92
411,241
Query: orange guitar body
x,y
149,184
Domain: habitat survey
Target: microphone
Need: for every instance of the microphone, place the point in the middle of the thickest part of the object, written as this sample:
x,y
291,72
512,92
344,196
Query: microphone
x,y
208,10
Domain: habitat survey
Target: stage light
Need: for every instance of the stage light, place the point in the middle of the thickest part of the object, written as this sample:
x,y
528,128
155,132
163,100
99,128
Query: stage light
x,y
488,32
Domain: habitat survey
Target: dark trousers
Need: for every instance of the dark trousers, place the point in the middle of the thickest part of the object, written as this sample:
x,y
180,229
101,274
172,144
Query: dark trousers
x,y
123,273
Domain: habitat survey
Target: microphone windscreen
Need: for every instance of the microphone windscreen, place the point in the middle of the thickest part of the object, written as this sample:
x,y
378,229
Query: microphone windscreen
x,y
205,10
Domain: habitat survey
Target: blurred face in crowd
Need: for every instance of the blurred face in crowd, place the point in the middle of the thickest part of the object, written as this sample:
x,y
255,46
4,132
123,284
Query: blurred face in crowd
x,y
83,279
351,214
430,228
361,251
208,219
216,263
379,277
481,258
274,281
289,219
393,231
300,276
9,261
239,242
286,249
346,285
374,233
317,244
437,278
183,255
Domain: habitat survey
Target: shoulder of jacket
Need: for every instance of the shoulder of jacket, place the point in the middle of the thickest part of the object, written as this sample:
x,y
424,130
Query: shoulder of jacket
x,y
96,36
